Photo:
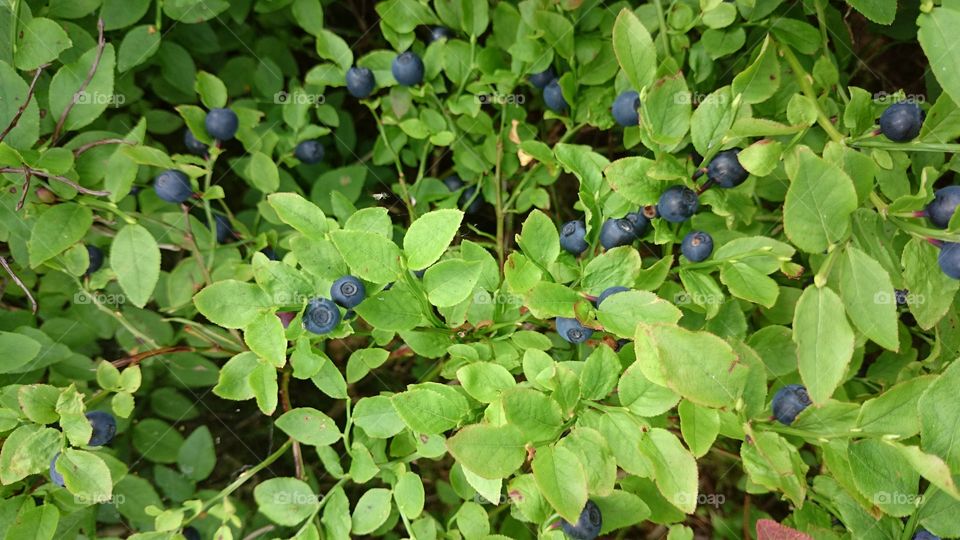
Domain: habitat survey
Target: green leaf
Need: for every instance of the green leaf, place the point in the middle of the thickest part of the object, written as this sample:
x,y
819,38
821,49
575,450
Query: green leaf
x,y
85,475
485,381
397,309
230,303
699,427
309,426
135,258
600,373
562,480
621,312
489,451
377,417
884,476
642,396
137,47
56,230
18,349
197,456
539,239
895,411
820,199
761,79
429,411
933,289
429,236
265,337
824,341
370,256
28,450
285,501
674,469
938,421
97,95
14,91
451,281
363,361
878,11
194,11
711,120
409,495
665,114
745,282
936,37
634,49
615,267
774,463
40,42
537,415
122,13
868,296
212,91
263,382
371,511
263,172
299,213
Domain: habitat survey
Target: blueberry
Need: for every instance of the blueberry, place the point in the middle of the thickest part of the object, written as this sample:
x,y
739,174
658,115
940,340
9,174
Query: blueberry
x,y
944,204
789,401
542,79
224,231
270,253
420,273
697,246
439,32
173,186
104,427
610,291
553,97
572,331
193,145
588,526
477,203
625,108
949,259
923,534
639,222
901,121
725,169
348,291
900,295
677,204
321,316
453,182
573,237
190,533
309,152
407,69
360,82
617,232
222,124
56,477
95,255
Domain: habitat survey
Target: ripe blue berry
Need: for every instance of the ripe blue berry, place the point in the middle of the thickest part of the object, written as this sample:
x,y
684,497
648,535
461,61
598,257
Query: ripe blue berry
x,y
270,253
453,182
697,246
104,427
924,534
193,145
407,69
610,291
572,331
588,526
309,152
553,97
944,204
348,291
790,401
901,296
901,121
224,231
949,259
465,198
173,186
56,477
222,124
639,222
439,32
617,232
625,108
321,316
542,79
725,169
190,533
95,255
360,82
573,237
677,204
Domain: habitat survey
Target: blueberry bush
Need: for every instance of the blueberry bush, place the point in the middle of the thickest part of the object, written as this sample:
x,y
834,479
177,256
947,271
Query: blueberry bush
x,y
480,270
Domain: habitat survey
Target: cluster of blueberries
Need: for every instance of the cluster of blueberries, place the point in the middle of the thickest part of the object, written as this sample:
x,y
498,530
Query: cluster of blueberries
x,y
104,429
322,315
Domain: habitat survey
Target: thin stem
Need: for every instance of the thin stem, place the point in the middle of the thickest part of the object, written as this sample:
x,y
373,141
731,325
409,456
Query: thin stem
x,y
662,22
824,274
26,102
498,186
16,279
82,149
137,358
101,44
285,403
803,79
58,178
913,146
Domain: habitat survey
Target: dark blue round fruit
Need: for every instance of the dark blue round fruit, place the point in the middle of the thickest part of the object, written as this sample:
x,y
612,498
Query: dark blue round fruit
x,y
222,124
104,427
677,204
193,145
626,108
617,232
453,182
790,401
901,296
224,231
901,121
439,32
542,79
572,331
407,69
725,169
553,97
95,255
639,222
173,186
697,246
587,526
56,477
270,253
360,82
467,196
348,291
190,533
944,204
924,534
309,152
949,259
610,291
321,316
573,237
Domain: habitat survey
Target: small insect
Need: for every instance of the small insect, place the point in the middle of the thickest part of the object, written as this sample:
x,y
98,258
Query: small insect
x,y
381,196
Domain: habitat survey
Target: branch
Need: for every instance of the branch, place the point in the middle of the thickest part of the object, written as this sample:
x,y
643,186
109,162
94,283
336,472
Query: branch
x,y
58,178
26,188
101,43
137,358
16,279
26,102
81,149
